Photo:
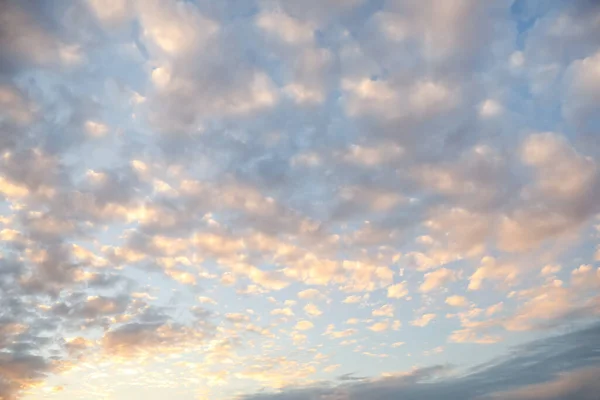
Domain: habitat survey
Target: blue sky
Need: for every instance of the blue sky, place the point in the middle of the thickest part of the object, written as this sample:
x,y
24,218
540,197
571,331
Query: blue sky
x,y
299,200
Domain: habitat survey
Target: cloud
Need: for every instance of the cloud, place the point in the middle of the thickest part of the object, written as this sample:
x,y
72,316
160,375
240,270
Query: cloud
x,y
490,268
283,311
26,42
457,301
584,82
285,28
304,325
379,326
309,294
113,13
312,310
352,299
340,334
387,310
551,368
397,291
436,279
423,320
580,384
493,309
550,269
174,174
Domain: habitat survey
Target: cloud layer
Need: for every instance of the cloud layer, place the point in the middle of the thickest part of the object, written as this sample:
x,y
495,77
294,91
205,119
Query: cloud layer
x,y
258,196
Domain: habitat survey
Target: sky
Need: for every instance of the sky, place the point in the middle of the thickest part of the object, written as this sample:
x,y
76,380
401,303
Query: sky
x,y
299,200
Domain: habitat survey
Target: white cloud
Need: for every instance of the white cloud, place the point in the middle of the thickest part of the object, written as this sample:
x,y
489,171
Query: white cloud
x,y
283,311
492,269
304,325
285,28
379,326
174,28
457,301
494,309
423,320
584,84
517,59
352,299
561,171
312,310
111,11
309,294
490,108
387,310
550,270
96,129
397,291
437,279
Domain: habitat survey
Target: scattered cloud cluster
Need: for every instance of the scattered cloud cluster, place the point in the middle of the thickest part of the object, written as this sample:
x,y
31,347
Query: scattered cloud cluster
x,y
250,198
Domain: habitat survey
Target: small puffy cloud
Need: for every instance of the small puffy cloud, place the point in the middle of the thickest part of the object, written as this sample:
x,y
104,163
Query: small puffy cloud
x,y
490,108
437,279
206,300
548,305
379,326
423,320
397,291
312,310
16,106
310,294
175,29
457,301
585,277
561,172
283,311
304,325
352,299
331,368
372,156
111,12
583,85
492,269
96,129
494,309
237,317
379,98
550,269
386,310
517,59
285,28
341,334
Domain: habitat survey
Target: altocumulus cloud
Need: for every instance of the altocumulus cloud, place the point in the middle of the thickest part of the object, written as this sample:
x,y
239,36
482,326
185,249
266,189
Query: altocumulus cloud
x,y
205,199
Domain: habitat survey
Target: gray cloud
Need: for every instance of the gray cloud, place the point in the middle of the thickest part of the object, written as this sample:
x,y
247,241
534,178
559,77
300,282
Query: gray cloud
x,y
556,368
